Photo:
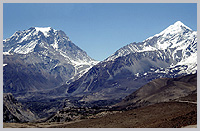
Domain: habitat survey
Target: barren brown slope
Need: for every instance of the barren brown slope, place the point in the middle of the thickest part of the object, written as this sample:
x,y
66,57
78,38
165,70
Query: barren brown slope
x,y
161,115
160,90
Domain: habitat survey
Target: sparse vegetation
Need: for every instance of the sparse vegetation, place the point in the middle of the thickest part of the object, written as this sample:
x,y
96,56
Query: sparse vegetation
x,y
161,115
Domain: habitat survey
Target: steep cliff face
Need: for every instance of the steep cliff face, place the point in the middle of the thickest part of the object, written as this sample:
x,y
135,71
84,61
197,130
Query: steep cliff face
x,y
13,111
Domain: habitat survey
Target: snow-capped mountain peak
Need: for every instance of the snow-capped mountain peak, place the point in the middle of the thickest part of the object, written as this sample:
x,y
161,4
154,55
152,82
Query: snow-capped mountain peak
x,y
44,30
177,27
179,24
23,42
47,45
176,37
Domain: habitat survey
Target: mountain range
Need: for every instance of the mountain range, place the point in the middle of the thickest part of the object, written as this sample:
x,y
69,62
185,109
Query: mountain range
x,y
171,53
42,65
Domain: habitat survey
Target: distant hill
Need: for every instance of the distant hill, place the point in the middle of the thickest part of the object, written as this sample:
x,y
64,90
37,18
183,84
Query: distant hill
x,y
161,90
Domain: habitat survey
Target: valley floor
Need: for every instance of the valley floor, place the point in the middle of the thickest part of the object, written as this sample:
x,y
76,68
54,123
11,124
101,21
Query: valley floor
x,y
161,115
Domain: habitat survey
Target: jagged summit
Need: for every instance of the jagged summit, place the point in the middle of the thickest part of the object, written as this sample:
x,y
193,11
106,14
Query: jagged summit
x,y
47,50
46,40
42,39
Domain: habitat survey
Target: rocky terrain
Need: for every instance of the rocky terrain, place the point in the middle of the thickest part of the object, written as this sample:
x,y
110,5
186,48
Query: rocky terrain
x,y
161,115
13,111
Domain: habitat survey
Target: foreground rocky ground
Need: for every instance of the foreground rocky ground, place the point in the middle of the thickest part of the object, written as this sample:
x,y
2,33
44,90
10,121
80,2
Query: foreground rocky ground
x,y
161,115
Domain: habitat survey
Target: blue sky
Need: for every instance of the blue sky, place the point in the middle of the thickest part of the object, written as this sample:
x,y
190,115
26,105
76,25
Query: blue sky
x,y
99,29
